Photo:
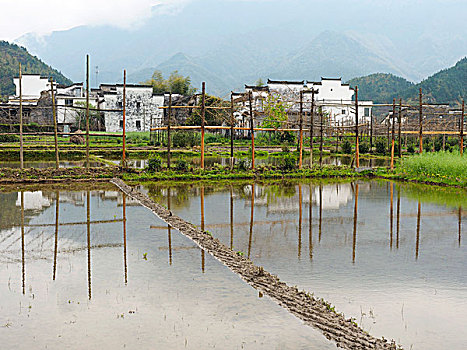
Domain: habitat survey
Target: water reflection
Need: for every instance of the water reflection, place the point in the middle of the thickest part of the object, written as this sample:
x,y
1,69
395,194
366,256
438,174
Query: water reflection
x,y
374,223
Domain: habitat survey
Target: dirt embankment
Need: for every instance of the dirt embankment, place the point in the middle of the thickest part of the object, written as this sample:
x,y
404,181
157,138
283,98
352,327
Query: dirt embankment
x,y
314,312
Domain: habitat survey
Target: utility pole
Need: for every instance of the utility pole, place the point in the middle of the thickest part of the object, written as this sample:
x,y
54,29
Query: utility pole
x,y
169,138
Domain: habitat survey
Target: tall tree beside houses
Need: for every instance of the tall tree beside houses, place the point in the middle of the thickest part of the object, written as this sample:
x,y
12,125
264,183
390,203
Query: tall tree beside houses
x,y
175,83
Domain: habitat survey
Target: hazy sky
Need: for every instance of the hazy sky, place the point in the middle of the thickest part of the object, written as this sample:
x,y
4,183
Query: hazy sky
x,y
43,16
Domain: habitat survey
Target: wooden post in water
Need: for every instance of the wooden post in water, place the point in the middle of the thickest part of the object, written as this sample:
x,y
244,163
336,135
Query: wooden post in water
x,y
169,123
461,134
54,116
232,124
250,238
88,227
252,132
21,148
392,135
202,226
23,263
125,263
203,116
420,122
357,150
301,132
124,119
312,119
354,236
87,112
399,121
57,208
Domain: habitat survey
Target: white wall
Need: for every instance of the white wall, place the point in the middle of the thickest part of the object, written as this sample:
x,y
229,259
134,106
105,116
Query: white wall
x,y
32,86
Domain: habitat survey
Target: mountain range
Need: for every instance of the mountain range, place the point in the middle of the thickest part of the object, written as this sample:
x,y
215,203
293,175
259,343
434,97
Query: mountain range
x,y
10,57
230,43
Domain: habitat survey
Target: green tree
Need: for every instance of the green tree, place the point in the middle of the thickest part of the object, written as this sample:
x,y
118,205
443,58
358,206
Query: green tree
x,y
96,119
176,83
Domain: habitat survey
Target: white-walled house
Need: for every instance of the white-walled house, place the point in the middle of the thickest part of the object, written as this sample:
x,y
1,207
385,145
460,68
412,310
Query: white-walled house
x,y
142,107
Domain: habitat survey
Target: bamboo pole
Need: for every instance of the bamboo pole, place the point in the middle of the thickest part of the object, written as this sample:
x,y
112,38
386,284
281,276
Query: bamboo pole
x,y
461,134
203,115
87,111
169,139
357,150
420,122
321,136
371,133
124,120
392,136
21,151
252,133
232,122
301,132
399,121
54,116
311,125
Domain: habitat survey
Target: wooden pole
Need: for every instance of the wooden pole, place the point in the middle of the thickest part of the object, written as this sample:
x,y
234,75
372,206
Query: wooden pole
x,y
299,220
398,216
23,263
420,122
169,229
301,131
461,148
399,121
392,135
371,133
231,217
250,238
355,213
321,140
310,223
312,119
203,115
252,132
357,150
232,123
337,136
88,226
417,241
124,119
54,116
202,224
87,111
391,215
21,150
169,139
125,262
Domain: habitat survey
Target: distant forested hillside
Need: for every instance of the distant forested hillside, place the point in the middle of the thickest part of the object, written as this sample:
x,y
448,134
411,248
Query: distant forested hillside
x,y
380,87
11,55
446,86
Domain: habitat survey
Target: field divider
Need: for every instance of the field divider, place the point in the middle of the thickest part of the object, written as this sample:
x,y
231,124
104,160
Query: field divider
x,y
314,312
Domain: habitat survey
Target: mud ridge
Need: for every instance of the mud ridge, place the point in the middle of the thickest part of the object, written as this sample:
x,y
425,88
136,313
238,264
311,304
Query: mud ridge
x,y
311,310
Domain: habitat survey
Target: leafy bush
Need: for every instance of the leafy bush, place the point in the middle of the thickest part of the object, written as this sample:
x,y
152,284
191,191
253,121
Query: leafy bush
x,y
285,148
346,147
185,139
214,138
380,146
410,149
288,162
244,164
155,163
363,147
181,164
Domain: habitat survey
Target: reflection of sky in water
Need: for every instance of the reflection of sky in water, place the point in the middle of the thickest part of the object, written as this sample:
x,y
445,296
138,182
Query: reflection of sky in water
x,y
163,305
412,290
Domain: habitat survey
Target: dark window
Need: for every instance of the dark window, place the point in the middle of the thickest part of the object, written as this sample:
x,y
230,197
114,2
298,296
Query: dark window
x,y
68,102
120,104
367,112
138,106
138,125
343,111
121,124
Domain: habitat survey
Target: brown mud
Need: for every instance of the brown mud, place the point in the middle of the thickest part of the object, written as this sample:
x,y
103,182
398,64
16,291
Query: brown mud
x,y
312,311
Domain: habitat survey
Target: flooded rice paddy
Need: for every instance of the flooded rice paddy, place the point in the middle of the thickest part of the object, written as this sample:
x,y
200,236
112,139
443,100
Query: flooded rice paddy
x,y
391,256
93,269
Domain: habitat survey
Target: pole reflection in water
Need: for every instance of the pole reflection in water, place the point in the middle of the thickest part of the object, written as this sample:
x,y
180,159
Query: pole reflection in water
x,y
310,228
23,267
202,225
169,229
320,211
231,217
354,240
88,225
299,220
57,208
251,218
460,225
398,216
125,263
417,243
391,215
